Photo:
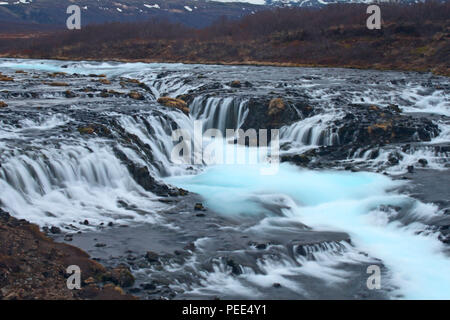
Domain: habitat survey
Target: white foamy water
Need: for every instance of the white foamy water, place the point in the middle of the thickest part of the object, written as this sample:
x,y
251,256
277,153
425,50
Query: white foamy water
x,y
336,201
67,185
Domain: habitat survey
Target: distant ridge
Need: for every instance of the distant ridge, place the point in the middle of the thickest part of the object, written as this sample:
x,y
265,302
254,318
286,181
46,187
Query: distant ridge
x,y
193,13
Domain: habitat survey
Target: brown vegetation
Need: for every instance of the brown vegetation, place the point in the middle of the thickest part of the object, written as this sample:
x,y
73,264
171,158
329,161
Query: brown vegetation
x,y
413,37
174,103
32,266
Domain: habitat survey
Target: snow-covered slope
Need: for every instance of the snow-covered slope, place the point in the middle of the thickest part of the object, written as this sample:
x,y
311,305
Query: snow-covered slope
x,y
195,13
304,3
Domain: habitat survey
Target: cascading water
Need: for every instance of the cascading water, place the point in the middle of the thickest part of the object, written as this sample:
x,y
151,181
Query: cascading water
x,y
310,232
316,131
219,113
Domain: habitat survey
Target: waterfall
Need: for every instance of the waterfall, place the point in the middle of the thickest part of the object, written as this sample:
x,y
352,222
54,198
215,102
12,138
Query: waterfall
x,y
57,186
316,131
219,113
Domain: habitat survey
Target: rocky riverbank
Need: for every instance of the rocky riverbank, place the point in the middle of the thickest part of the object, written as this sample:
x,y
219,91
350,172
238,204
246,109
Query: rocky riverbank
x,y
33,266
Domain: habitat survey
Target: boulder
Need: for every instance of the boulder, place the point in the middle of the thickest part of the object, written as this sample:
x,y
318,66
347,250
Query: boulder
x,y
69,94
95,128
266,113
276,106
136,95
104,81
5,78
423,162
235,84
121,276
86,130
199,207
3,104
365,125
152,257
174,103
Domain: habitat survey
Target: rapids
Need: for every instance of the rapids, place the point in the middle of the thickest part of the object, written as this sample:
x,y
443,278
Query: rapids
x,y
298,233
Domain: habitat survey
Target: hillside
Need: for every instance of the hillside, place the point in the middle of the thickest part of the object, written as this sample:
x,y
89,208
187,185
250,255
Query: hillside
x,y
189,12
193,13
413,37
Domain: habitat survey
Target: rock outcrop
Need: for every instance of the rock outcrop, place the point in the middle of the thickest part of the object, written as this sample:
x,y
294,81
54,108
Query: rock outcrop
x,y
271,113
174,103
33,266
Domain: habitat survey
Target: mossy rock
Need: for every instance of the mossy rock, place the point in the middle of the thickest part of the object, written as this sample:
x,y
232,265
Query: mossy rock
x,y
174,103
136,95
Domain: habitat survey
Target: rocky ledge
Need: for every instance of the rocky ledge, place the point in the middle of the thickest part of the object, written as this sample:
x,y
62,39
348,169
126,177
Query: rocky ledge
x,y
33,266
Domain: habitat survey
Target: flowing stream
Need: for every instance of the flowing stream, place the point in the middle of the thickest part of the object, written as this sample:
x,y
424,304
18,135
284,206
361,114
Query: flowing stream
x,y
297,233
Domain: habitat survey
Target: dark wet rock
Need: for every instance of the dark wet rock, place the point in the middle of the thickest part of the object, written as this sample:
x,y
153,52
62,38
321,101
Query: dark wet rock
x,y
410,169
394,158
100,245
188,97
270,113
261,246
3,104
121,276
97,129
276,285
210,87
423,162
152,257
190,247
135,290
394,108
298,159
235,267
371,125
70,94
199,207
122,204
55,230
57,84
235,84
143,177
131,257
148,286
